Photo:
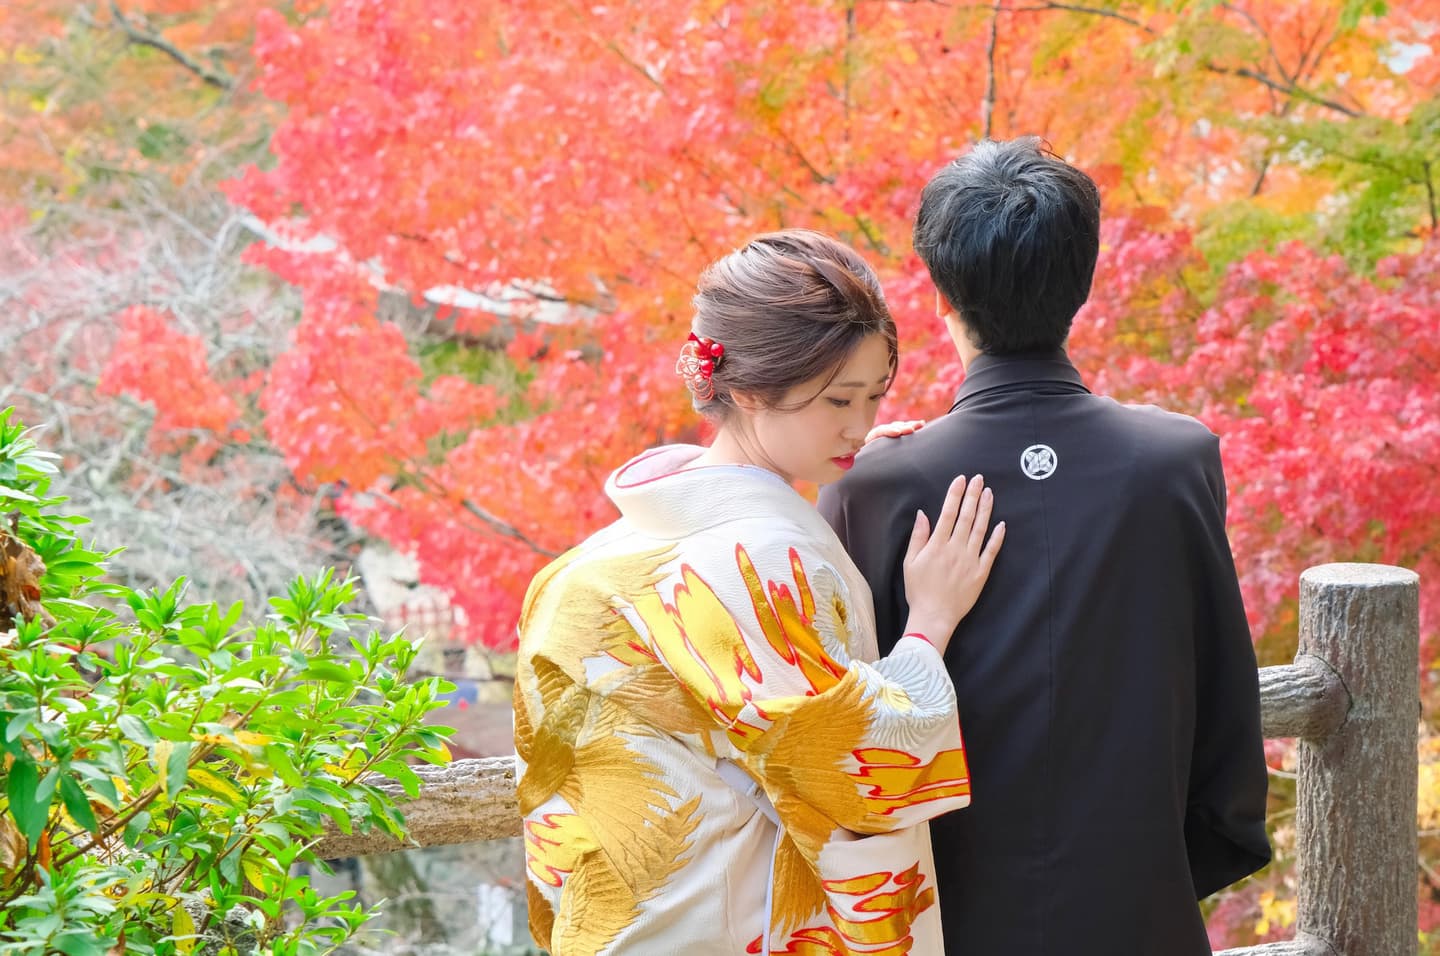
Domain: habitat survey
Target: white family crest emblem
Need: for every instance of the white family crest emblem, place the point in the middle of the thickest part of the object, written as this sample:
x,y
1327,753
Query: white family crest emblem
x,y
1039,462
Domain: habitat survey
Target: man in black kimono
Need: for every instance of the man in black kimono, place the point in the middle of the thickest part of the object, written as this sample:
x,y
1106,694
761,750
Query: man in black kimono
x,y
1106,680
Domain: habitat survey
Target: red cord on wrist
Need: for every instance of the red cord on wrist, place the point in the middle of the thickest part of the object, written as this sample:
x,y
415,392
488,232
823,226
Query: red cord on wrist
x,y
919,635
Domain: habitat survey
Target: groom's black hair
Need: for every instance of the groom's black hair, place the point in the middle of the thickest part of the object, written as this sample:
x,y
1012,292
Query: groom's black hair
x,y
1010,233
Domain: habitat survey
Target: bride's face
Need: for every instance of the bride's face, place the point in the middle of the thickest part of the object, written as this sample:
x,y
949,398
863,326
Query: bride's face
x,y
817,427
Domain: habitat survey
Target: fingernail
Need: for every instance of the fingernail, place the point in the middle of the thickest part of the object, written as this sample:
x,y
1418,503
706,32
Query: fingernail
x,y
985,493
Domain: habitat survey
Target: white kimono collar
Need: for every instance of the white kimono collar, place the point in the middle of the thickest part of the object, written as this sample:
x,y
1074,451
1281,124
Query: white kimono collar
x,y
661,497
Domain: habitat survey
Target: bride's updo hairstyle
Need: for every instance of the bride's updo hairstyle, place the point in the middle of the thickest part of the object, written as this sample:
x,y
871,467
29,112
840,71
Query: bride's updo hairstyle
x,y
788,307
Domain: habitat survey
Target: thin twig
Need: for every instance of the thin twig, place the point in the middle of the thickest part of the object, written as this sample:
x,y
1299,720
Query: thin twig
x,y
849,64
1077,8
153,40
1430,195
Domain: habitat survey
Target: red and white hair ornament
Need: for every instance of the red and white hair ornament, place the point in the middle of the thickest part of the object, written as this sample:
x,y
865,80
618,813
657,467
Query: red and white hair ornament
x,y
699,358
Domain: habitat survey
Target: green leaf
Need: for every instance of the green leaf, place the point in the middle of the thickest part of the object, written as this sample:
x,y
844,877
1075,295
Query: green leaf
x,y
399,771
327,671
295,697
51,732
82,942
137,730
76,803
20,721
101,777
177,768
45,790
279,759
136,827
29,811
319,795
230,866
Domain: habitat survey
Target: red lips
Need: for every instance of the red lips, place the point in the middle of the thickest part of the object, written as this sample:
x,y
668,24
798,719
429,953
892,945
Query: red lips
x,y
846,463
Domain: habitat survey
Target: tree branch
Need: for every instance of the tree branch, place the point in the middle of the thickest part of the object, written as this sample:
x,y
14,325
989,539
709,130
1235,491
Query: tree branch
x,y
1289,89
497,526
1077,8
141,37
849,67
1430,194
798,153
987,106
504,529
1269,43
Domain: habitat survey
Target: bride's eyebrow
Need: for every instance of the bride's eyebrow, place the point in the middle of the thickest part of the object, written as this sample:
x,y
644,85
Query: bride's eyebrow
x,y
882,381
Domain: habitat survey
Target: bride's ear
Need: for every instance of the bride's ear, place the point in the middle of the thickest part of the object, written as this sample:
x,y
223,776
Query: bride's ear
x,y
746,402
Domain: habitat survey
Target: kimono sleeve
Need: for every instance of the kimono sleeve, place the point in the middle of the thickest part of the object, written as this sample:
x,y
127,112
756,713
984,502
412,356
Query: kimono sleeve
x,y
760,642
1225,812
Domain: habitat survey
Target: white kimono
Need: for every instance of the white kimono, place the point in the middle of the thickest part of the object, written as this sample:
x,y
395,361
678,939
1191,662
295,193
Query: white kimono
x,y
713,641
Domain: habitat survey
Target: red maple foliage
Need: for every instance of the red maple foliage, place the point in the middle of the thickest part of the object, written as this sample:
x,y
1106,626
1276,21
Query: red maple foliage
x,y
157,363
603,155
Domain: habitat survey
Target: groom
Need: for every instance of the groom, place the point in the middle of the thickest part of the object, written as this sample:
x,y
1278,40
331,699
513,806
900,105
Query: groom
x,y
1106,680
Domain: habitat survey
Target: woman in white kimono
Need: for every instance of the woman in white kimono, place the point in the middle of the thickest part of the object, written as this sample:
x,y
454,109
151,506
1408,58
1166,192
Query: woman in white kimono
x,y
712,759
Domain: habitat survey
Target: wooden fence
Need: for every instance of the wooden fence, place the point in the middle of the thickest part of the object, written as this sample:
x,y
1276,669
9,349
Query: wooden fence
x,y
1352,697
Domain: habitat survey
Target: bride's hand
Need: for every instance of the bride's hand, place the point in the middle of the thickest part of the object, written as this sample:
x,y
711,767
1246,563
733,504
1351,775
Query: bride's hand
x,y
893,430
946,568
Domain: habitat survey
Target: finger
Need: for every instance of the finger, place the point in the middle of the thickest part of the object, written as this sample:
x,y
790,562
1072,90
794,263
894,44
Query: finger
x,y
982,521
892,430
965,521
992,549
919,534
950,510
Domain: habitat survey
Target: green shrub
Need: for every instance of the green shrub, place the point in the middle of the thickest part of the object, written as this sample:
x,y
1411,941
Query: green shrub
x,y
164,766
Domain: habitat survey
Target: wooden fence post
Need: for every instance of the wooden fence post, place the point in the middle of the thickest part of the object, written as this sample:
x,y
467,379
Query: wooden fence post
x,y
1355,836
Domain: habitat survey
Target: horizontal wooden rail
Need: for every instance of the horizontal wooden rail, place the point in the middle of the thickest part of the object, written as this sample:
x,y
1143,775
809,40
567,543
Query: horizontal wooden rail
x,y
465,801
1299,946
469,801
1304,699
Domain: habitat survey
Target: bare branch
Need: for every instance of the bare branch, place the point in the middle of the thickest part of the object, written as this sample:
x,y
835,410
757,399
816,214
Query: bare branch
x,y
1430,195
142,37
496,525
506,529
1289,89
987,106
1034,8
798,153
1077,8
849,62
1264,35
